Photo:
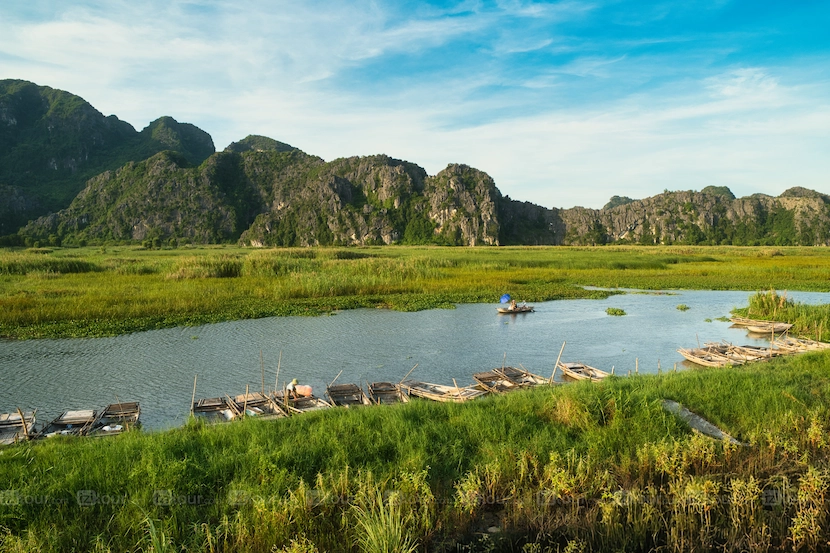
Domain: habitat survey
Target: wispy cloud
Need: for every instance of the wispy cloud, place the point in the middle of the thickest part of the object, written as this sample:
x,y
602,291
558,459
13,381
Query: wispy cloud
x,y
564,103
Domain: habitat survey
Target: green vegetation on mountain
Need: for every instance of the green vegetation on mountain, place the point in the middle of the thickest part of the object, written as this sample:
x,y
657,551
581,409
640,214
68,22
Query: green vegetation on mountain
x,y
52,142
617,200
105,183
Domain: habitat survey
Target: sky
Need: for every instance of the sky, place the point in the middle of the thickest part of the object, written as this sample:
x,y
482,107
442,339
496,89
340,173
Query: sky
x,y
563,103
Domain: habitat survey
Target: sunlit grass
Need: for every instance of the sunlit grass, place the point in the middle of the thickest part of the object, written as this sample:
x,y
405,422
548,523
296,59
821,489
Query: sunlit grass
x,y
557,463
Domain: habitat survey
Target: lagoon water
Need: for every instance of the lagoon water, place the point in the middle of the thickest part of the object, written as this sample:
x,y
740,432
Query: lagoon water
x,y
157,368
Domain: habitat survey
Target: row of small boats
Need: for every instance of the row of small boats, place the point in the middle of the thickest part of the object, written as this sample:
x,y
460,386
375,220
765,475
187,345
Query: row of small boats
x,y
110,421
120,417
721,354
277,404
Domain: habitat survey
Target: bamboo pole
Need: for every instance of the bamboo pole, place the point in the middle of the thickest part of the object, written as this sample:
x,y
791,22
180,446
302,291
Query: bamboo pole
x,y
458,390
193,397
556,365
23,421
262,369
335,378
407,374
277,379
245,403
637,365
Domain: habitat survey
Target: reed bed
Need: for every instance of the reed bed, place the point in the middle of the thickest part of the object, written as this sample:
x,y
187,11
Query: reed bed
x,y
584,466
106,291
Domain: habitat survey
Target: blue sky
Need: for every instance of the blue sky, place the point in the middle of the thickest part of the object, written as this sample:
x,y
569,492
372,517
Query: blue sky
x,y
562,103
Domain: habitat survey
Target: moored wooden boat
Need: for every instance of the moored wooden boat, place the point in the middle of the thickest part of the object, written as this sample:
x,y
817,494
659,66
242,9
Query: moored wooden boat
x,y
301,403
257,404
581,371
116,418
769,327
216,409
744,321
495,382
440,392
347,395
798,345
14,428
70,423
386,392
710,356
522,378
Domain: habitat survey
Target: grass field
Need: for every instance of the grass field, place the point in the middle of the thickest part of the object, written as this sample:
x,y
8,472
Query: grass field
x,y
577,467
581,466
100,292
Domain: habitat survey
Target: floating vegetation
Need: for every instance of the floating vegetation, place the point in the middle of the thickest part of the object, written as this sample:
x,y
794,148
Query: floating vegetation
x,y
615,311
682,307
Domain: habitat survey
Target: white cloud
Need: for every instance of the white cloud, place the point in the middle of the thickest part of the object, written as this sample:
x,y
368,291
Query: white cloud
x,y
662,120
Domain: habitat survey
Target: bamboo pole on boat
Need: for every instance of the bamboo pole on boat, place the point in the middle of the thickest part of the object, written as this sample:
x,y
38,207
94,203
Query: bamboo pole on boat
x,y
23,421
262,369
458,390
335,378
277,379
245,403
556,365
504,360
193,397
407,374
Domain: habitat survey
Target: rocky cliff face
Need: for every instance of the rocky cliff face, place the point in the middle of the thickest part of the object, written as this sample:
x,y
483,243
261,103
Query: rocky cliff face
x,y
696,217
167,185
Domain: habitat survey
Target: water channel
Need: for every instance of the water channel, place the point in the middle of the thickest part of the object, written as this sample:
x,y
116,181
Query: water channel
x,y
157,368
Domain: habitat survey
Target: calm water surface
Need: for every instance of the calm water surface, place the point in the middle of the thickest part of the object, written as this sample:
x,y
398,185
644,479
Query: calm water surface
x,y
157,368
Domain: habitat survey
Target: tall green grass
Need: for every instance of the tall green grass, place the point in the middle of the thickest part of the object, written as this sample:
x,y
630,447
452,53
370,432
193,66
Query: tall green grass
x,y
599,466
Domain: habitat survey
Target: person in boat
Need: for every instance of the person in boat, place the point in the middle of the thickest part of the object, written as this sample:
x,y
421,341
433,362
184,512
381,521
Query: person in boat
x,y
292,388
513,305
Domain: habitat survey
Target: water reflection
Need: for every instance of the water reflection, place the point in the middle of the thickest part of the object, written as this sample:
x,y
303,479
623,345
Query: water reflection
x,y
157,368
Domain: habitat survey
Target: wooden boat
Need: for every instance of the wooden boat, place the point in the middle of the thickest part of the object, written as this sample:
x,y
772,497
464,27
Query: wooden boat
x,y
440,392
711,356
495,382
347,395
517,309
581,371
14,428
522,377
769,328
116,418
70,423
743,321
299,404
257,404
798,345
386,392
216,409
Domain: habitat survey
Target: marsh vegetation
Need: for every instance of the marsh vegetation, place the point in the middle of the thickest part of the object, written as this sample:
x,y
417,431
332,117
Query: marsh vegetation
x,y
109,291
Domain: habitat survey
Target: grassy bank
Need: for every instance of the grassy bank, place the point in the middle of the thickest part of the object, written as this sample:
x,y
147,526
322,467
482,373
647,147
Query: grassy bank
x,y
585,466
94,292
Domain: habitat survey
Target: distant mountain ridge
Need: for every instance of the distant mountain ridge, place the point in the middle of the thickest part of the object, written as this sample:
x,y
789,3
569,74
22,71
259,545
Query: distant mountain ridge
x,y
104,182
